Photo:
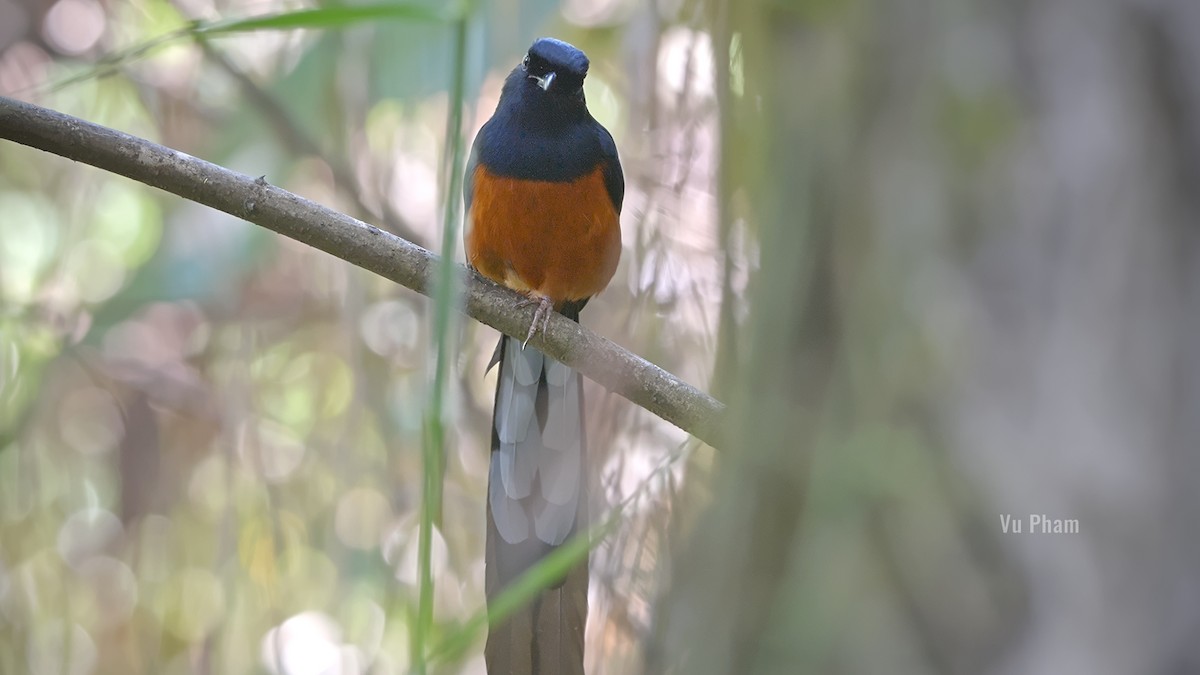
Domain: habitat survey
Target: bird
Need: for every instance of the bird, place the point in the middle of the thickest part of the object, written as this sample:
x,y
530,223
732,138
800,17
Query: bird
x,y
543,189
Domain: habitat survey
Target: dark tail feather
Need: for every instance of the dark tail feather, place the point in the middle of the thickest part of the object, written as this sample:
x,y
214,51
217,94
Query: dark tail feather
x,y
559,614
545,637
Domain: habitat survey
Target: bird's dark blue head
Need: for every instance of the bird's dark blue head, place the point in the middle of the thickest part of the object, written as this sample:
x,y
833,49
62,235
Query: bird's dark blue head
x,y
555,66
546,88
541,129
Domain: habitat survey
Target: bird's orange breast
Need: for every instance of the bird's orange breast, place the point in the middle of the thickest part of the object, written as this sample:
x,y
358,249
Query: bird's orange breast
x,y
561,240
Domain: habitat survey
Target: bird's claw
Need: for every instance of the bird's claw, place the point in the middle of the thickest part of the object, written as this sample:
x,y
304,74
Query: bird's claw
x,y
545,307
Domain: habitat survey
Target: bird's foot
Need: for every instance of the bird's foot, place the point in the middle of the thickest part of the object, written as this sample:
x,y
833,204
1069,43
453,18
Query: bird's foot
x,y
545,307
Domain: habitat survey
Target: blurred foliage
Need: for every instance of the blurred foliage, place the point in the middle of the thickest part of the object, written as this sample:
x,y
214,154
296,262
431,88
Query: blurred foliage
x,y
939,257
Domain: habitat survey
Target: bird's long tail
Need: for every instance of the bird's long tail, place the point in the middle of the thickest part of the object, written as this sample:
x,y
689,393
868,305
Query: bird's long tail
x,y
536,500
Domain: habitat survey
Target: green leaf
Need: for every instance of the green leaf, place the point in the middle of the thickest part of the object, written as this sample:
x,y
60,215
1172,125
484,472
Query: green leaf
x,y
320,18
547,572
332,17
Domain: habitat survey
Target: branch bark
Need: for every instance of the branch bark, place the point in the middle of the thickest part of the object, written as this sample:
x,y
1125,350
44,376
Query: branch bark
x,y
361,244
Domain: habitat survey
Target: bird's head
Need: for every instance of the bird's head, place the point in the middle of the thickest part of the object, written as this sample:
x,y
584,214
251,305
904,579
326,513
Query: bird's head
x,y
555,67
545,91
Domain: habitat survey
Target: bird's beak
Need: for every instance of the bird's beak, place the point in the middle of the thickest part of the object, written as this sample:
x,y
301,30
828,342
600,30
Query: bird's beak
x,y
544,81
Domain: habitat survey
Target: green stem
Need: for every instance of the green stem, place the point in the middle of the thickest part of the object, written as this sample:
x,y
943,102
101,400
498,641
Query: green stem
x,y
433,458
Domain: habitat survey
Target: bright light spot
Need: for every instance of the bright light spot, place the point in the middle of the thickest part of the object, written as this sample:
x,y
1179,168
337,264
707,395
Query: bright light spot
x,y
361,516
591,13
390,328
97,269
306,644
400,551
28,240
270,449
685,59
737,68
90,421
85,533
128,221
414,190
476,665
74,26
22,65
632,472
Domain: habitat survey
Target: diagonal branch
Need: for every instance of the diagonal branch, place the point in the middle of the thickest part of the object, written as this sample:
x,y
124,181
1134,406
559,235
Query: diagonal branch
x,y
366,246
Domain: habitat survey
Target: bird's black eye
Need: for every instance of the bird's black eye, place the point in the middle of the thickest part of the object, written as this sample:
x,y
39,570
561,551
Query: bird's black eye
x,y
535,66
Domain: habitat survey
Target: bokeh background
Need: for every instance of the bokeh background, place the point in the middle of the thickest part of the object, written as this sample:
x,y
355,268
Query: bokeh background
x,y
940,258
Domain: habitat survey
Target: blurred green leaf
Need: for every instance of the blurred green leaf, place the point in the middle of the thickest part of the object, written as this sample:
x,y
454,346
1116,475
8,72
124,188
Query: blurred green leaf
x,y
334,17
547,572
320,18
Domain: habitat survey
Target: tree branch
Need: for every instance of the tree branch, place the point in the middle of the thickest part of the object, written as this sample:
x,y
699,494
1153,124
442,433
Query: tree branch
x,y
366,246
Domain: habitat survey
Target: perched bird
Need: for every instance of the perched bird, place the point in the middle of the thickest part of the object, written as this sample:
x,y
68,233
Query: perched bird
x,y
543,191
